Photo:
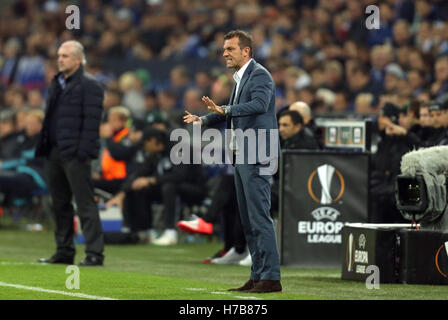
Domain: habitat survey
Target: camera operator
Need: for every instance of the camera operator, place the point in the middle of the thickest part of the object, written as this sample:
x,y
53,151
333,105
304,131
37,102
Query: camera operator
x,y
395,142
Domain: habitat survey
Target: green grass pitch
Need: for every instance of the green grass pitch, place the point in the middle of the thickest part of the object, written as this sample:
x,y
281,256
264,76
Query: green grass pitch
x,y
145,272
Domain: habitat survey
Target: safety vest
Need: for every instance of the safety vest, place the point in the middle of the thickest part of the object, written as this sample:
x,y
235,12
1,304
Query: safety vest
x,y
110,168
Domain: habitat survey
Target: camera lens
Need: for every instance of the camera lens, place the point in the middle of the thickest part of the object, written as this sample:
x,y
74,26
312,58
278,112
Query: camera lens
x,y
412,195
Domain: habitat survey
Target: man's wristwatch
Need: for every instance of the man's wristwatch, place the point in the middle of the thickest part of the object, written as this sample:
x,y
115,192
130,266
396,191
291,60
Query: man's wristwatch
x,y
226,109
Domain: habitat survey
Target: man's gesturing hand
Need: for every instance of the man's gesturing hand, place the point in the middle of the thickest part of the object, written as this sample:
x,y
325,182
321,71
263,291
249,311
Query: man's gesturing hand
x,y
191,118
212,106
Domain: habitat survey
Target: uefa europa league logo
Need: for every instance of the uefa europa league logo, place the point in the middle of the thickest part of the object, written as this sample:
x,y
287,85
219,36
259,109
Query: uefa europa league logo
x,y
325,174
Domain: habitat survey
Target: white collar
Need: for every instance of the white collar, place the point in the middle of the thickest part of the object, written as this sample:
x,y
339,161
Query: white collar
x,y
238,75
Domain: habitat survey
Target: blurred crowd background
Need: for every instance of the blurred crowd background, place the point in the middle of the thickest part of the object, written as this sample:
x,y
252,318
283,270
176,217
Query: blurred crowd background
x,y
166,54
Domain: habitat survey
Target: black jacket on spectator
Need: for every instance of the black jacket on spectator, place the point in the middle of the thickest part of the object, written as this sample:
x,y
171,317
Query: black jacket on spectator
x,y
165,171
304,139
385,167
73,114
10,145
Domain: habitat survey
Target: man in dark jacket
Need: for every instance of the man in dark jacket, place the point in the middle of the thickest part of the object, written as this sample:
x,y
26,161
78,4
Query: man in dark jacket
x,y
386,165
69,140
294,135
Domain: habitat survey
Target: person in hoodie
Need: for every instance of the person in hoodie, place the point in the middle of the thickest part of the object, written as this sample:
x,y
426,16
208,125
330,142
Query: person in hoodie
x,y
21,176
158,179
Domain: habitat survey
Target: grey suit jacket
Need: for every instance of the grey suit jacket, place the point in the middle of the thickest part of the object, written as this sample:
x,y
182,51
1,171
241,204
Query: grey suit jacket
x,y
254,115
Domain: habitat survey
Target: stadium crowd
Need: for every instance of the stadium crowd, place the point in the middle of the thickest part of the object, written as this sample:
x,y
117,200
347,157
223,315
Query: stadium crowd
x,y
319,52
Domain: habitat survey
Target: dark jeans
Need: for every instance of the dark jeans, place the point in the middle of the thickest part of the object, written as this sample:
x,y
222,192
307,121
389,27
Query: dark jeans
x,y
68,178
14,185
137,204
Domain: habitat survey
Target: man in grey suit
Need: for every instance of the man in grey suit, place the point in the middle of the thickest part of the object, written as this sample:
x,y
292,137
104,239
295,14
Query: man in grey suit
x,y
251,110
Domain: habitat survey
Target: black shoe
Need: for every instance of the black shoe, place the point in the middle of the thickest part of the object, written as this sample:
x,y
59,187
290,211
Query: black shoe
x,y
265,286
58,258
247,286
91,261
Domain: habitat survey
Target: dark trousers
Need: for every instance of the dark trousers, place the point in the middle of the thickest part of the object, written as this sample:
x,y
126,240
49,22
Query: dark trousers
x,y
137,204
254,201
67,179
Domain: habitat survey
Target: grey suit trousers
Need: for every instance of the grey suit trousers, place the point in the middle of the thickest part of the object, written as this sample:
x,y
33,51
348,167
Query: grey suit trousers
x,y
254,201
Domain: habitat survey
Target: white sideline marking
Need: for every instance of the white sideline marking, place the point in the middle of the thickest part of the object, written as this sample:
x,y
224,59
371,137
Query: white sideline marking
x,y
195,289
78,295
249,298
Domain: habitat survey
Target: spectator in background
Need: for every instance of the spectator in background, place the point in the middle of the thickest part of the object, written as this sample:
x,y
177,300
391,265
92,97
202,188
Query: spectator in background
x,y
158,179
334,75
116,157
440,86
10,138
30,71
394,79
112,97
180,81
386,166
10,59
402,37
364,104
35,99
308,122
203,82
439,115
166,100
360,81
416,82
152,110
131,87
15,97
21,176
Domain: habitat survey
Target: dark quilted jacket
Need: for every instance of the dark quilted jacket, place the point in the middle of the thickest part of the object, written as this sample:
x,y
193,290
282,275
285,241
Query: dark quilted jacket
x,y
78,118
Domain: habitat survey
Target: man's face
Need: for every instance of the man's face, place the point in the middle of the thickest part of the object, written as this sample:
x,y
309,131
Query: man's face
x,y
6,127
234,56
425,117
33,125
68,61
441,69
404,120
287,128
439,118
116,122
152,146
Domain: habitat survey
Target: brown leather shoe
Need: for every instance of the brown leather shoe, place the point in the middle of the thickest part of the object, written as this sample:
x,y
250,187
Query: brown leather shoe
x,y
265,286
247,286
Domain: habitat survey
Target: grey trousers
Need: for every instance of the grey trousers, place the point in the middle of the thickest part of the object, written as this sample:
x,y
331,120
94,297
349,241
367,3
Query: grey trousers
x,y
67,179
254,201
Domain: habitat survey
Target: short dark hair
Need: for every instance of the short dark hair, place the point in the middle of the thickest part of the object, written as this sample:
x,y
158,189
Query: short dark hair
x,y
295,116
150,132
245,39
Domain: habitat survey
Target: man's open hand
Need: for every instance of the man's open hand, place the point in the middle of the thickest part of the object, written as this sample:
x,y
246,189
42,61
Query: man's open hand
x,y
212,106
191,118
